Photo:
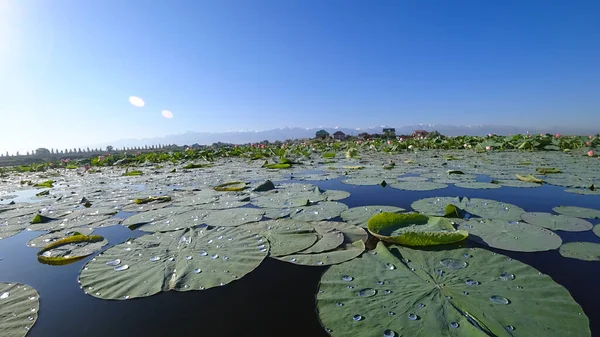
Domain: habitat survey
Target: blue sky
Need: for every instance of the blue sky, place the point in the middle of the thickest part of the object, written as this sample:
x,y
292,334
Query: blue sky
x,y
68,67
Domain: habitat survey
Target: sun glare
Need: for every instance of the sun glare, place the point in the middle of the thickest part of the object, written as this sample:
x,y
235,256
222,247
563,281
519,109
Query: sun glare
x,y
167,114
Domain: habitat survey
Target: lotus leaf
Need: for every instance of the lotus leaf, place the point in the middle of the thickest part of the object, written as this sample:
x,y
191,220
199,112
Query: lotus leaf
x,y
365,181
515,183
586,251
19,306
359,216
417,185
511,235
529,178
321,211
190,259
556,222
233,217
596,230
231,186
71,248
458,292
46,239
483,208
413,229
579,212
477,185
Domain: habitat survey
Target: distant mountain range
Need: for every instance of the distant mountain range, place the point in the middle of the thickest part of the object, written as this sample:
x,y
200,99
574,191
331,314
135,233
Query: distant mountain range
x,y
241,137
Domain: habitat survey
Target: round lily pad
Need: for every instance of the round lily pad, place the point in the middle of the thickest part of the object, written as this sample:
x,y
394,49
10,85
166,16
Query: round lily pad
x,y
233,217
13,226
596,230
458,292
46,239
477,185
190,259
321,211
586,251
413,229
19,306
511,235
515,183
483,208
359,216
365,181
556,222
579,212
417,185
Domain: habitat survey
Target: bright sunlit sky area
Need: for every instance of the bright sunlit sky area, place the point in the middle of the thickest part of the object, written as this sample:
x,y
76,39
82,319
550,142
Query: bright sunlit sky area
x,y
75,73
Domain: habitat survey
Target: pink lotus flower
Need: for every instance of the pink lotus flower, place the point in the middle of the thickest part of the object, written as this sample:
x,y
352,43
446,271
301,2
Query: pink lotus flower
x,y
138,154
251,145
236,145
50,164
557,135
100,158
389,142
528,136
488,148
591,137
590,153
588,144
401,139
490,134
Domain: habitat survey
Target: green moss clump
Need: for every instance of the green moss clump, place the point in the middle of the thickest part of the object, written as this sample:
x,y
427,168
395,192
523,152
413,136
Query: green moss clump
x,y
45,184
132,173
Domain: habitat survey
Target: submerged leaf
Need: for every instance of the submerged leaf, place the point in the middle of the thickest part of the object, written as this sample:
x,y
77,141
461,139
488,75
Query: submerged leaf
x,y
419,293
19,306
191,259
412,229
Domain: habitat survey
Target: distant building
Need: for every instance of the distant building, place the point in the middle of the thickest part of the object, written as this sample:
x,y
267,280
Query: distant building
x,y
322,134
389,132
420,133
339,135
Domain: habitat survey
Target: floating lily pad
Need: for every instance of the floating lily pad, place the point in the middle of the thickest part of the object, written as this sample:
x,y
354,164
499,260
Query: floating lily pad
x,y
556,222
482,208
413,229
515,183
586,251
596,230
44,240
579,212
511,235
419,293
321,211
231,186
190,259
529,178
19,306
233,217
365,181
417,185
288,242
71,248
359,216
13,226
477,185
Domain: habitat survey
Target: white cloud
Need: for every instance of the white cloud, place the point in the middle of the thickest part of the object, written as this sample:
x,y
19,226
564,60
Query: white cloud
x,y
136,101
167,114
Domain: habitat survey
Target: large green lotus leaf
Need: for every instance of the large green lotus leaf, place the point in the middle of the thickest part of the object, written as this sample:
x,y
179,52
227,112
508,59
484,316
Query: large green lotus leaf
x,y
190,259
46,239
587,251
79,218
477,185
290,241
365,181
586,191
482,208
152,216
276,213
133,207
515,183
579,212
596,230
424,293
332,195
417,185
71,248
188,219
511,235
359,216
329,239
556,222
413,178
234,217
321,211
13,226
19,306
413,229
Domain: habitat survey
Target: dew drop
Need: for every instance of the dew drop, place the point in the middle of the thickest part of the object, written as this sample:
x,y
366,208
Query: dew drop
x,y
465,293
506,277
454,325
293,260
387,291
510,328
197,270
440,272
357,318
421,305
470,282
413,317
319,263
203,253
4,295
215,256
340,304
113,262
391,313
380,283
367,292
347,278
30,318
389,333
453,264
121,268
499,299
188,257
390,266
156,258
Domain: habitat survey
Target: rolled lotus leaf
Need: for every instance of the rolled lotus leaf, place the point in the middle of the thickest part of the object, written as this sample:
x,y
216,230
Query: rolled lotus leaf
x,y
557,222
231,186
154,199
19,306
190,259
51,237
71,248
360,215
511,235
529,178
412,229
579,212
457,292
483,208
586,251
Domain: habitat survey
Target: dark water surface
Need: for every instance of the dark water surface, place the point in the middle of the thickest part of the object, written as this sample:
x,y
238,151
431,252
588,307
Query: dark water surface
x,y
277,299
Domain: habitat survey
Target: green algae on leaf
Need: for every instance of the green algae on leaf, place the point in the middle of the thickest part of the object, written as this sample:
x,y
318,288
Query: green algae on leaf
x,y
19,306
579,212
38,218
557,222
191,166
45,184
547,170
586,251
511,235
190,259
278,166
359,216
412,229
460,292
232,186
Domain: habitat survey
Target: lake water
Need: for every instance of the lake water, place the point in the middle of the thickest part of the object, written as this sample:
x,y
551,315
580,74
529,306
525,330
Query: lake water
x,y
276,299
